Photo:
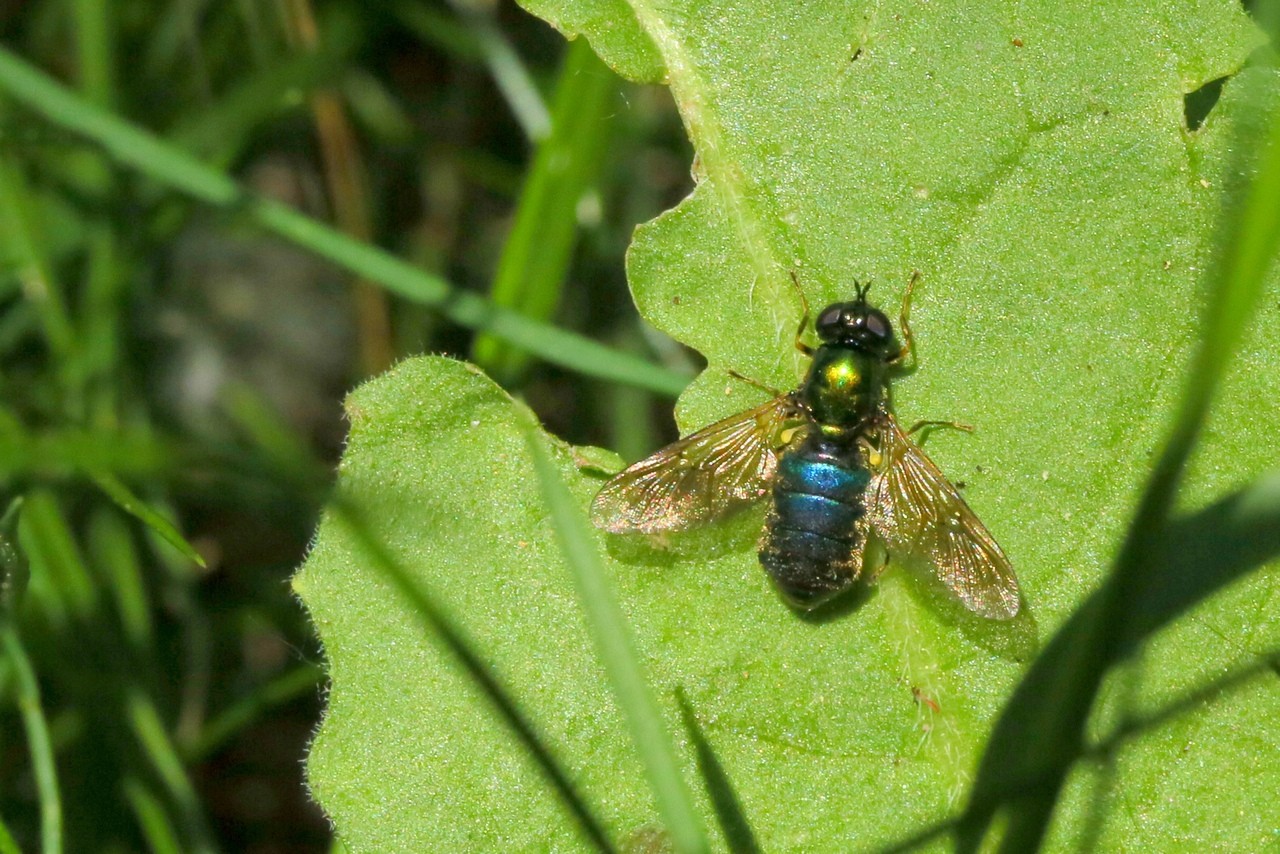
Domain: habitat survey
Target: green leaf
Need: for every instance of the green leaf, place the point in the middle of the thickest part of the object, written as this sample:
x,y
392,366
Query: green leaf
x,y
1199,554
1103,632
1035,167
735,826
614,29
617,653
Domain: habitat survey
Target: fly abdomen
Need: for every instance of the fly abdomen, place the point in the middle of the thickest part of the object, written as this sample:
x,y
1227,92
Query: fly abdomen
x,y
812,544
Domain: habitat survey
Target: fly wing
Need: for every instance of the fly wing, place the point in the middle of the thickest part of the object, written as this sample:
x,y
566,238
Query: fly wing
x,y
700,478
920,516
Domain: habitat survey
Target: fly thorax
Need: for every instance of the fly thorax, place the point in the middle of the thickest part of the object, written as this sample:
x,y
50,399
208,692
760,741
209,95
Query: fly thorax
x,y
843,387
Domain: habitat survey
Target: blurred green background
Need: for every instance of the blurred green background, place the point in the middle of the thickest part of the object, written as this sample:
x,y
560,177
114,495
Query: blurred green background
x,y
153,345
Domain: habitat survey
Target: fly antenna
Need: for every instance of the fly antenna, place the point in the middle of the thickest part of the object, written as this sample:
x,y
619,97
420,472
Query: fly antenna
x,y
804,318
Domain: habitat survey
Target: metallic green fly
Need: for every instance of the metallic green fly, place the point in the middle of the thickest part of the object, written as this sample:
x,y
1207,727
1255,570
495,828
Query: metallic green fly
x,y
841,472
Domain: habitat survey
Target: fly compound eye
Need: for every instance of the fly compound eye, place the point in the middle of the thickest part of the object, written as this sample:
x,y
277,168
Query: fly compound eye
x,y
878,325
830,322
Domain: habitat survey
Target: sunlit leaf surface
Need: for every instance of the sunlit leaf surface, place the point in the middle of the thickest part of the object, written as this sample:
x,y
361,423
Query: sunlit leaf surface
x,y
1034,165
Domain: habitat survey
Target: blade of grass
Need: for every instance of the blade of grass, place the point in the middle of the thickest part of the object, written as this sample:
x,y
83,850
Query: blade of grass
x,y
166,163
220,131
54,454
15,570
438,29
197,668
171,45
535,259
7,845
1250,239
377,111
93,398
509,73
60,581
38,742
348,186
248,710
23,242
95,65
112,549
156,745
617,654
144,513
632,432
151,817
100,324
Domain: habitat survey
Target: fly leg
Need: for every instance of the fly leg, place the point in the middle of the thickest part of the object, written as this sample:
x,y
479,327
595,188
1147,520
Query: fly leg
x,y
804,319
934,425
770,389
927,425
904,323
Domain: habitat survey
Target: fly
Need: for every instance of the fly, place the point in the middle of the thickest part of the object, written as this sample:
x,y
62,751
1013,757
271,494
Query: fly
x,y
839,470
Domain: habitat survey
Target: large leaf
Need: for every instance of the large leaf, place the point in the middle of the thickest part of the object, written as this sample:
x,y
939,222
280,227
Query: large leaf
x,y
1035,167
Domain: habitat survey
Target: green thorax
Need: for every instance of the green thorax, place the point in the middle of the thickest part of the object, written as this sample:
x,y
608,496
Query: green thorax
x,y
844,388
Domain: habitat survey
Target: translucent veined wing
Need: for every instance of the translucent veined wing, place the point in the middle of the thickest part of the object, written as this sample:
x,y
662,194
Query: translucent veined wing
x,y
920,516
699,478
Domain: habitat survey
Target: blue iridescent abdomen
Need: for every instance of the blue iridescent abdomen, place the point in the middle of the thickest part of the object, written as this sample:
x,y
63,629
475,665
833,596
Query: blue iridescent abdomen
x,y
812,544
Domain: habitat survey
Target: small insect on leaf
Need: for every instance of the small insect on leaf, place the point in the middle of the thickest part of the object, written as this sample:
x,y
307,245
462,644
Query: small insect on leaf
x,y
840,472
